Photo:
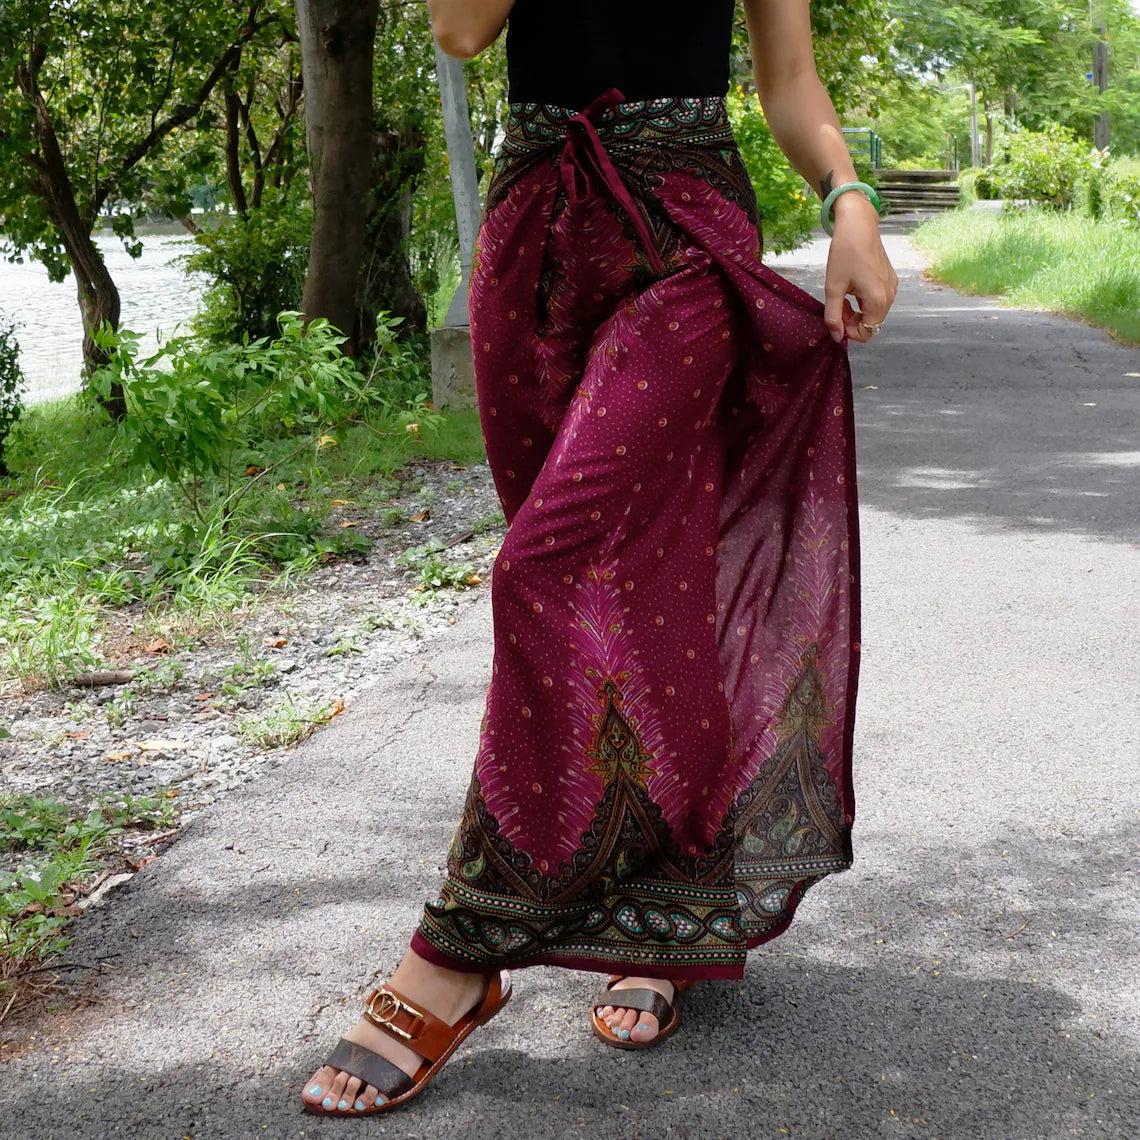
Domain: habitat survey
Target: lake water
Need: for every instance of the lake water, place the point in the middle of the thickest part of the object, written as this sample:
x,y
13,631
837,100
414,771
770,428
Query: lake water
x,y
157,294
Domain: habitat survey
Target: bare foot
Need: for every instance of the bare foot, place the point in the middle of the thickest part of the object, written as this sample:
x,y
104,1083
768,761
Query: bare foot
x,y
631,1024
449,994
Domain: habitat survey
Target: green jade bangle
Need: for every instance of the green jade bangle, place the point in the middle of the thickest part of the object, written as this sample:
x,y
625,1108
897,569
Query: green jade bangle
x,y
825,209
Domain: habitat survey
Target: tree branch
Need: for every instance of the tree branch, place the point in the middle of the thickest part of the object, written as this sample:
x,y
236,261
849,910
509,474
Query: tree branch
x,y
186,111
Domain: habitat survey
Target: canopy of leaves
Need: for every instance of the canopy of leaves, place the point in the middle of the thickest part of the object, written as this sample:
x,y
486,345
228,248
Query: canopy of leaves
x,y
108,81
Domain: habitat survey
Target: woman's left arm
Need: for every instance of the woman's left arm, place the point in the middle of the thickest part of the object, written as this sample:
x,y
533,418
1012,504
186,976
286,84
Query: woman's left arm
x,y
806,128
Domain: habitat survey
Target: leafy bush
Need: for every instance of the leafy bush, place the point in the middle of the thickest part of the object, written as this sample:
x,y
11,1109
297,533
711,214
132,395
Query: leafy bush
x,y
194,415
257,263
220,421
788,213
1122,197
975,184
11,385
1046,167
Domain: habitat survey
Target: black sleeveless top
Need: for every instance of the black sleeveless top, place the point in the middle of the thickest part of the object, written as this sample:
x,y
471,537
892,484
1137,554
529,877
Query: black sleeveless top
x,y
567,52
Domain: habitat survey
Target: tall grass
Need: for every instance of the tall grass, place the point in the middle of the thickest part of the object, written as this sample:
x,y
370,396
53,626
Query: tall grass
x,y
1041,259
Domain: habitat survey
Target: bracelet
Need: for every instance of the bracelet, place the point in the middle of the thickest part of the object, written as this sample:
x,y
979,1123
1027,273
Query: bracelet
x,y
825,210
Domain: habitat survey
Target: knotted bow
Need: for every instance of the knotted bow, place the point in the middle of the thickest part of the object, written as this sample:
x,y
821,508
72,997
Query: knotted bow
x,y
586,168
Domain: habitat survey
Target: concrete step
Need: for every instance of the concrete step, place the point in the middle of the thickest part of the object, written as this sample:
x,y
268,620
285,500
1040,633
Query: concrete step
x,y
896,204
916,177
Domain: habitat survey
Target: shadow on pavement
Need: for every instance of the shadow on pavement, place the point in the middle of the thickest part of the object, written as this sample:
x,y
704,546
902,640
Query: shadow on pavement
x,y
927,1009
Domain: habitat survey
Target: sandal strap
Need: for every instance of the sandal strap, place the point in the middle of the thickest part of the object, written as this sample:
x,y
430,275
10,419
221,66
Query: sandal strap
x,y
418,1028
359,1061
644,1001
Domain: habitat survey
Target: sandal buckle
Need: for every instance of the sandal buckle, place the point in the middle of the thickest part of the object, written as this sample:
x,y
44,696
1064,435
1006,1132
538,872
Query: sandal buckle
x,y
382,1007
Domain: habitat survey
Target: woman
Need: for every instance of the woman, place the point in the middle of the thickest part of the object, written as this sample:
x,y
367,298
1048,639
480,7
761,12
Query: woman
x,y
664,760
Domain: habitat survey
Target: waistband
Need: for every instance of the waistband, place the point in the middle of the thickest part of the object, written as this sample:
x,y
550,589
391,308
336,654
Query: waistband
x,y
632,125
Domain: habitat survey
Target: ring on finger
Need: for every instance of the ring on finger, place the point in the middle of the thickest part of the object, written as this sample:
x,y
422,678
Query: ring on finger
x,y
872,329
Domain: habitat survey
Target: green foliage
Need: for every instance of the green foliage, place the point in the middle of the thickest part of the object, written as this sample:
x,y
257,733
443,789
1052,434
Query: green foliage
x,y
115,85
1046,167
434,571
985,189
1028,57
917,127
257,263
787,213
207,405
1119,189
853,52
11,385
59,852
285,724
47,637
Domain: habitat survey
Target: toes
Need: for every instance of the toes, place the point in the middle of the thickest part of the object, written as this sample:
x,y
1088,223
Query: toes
x,y
624,1025
336,1088
351,1091
340,1091
318,1085
644,1028
368,1098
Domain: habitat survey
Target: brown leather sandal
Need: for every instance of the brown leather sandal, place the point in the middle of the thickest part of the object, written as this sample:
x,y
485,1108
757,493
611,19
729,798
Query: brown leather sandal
x,y
419,1030
644,1001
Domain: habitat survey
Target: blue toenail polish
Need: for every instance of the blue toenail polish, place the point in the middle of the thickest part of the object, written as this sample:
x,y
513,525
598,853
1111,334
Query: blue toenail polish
x,y
359,1106
315,1090
342,1105
327,1102
624,1034
381,1099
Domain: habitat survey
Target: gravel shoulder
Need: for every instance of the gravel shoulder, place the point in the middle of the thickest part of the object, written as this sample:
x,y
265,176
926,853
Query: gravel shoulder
x,y
204,708
972,976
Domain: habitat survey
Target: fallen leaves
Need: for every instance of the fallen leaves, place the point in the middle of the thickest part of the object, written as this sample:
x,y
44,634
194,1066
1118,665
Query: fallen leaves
x,y
158,645
335,709
421,516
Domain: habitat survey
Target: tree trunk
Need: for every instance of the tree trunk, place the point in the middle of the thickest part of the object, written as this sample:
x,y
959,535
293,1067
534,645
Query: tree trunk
x,y
337,40
98,294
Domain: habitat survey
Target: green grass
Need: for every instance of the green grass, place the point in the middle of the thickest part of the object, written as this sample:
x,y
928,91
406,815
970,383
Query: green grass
x,y
1039,259
85,532
285,723
52,854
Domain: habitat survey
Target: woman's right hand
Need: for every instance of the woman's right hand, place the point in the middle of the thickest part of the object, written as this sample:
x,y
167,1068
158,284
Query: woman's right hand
x,y
857,265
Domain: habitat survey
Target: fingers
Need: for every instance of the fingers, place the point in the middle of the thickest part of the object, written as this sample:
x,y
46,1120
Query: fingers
x,y
835,310
873,308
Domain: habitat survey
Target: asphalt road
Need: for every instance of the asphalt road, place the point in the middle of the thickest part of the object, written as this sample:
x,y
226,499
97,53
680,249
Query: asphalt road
x,y
972,978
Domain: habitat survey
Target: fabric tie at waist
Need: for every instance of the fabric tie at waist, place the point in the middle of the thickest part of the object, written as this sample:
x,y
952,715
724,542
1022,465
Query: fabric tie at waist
x,y
586,168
